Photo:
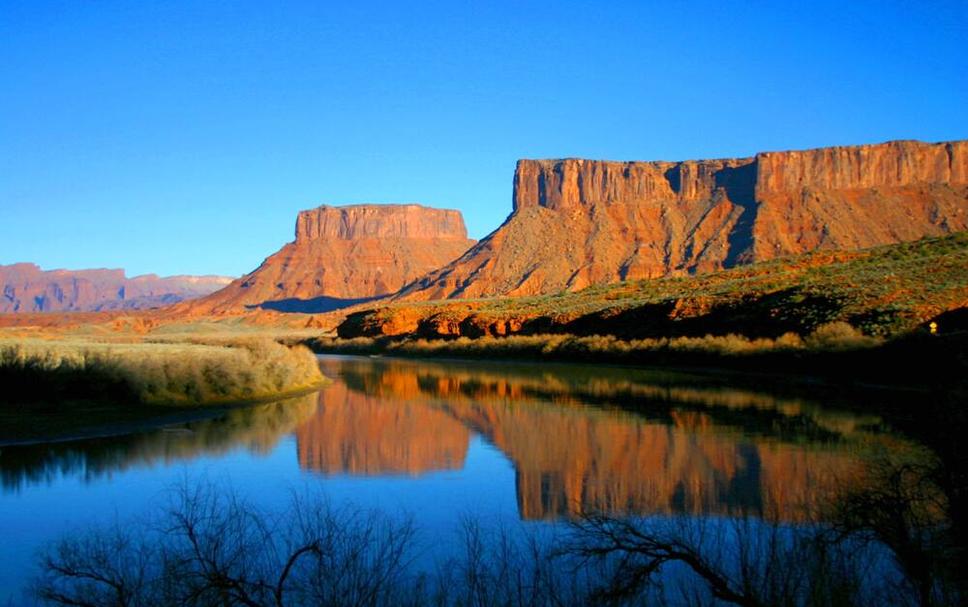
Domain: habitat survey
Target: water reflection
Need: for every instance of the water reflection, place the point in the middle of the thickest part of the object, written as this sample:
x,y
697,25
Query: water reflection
x,y
579,438
608,439
257,428
358,433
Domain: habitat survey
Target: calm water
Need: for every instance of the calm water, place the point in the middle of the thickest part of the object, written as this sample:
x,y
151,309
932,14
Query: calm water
x,y
442,440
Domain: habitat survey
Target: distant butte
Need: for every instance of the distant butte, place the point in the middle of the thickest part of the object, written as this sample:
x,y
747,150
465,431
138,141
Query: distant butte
x,y
343,254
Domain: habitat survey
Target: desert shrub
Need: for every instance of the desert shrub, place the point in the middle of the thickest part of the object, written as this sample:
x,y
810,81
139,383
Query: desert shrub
x,y
603,348
838,336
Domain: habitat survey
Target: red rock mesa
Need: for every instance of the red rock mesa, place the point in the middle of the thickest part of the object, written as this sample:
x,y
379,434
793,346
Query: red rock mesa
x,y
351,252
580,222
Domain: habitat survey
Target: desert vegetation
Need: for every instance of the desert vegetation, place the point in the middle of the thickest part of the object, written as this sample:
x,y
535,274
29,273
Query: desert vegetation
x,y
829,337
152,373
884,291
834,349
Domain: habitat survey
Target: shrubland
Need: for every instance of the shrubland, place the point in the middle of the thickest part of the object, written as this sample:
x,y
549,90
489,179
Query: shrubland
x,y
883,291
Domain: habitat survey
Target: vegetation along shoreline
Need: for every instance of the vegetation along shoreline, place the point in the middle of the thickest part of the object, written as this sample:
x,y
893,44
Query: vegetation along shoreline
x,y
76,387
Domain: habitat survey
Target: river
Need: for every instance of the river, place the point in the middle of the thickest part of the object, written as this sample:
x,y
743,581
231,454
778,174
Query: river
x,y
517,443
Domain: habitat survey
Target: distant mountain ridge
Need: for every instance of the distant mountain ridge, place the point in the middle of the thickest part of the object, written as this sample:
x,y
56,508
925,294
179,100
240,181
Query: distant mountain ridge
x,y
577,222
25,287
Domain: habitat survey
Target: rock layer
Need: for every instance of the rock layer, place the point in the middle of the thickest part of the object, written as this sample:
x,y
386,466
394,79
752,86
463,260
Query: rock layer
x,y
581,222
345,254
24,287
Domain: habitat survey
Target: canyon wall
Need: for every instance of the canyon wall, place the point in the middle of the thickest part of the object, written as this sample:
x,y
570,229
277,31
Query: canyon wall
x,y
580,222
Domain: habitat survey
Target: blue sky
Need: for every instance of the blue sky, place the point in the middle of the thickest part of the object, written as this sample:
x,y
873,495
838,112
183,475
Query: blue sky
x,y
183,137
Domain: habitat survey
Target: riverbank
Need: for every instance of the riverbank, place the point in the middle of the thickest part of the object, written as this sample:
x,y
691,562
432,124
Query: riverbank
x,y
833,352
56,389
104,421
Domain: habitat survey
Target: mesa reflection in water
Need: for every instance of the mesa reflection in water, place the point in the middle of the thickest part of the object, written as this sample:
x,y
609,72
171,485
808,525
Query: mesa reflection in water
x,y
580,438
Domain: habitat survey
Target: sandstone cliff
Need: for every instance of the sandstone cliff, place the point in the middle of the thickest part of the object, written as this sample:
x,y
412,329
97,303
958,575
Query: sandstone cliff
x,y
347,253
24,287
579,222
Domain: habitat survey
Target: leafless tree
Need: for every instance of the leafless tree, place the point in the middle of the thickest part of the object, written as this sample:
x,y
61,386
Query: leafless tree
x,y
213,549
880,542
901,506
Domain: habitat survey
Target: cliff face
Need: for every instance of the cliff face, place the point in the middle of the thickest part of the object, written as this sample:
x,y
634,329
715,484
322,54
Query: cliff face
x,y
579,222
359,222
24,287
347,253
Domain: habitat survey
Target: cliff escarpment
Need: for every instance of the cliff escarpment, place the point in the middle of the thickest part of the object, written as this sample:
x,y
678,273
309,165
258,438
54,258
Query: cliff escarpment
x,y
345,254
580,222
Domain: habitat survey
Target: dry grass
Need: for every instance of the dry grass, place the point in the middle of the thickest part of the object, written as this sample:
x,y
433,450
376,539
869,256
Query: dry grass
x,y
828,337
190,373
834,351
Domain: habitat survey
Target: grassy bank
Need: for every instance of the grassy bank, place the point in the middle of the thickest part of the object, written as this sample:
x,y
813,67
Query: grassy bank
x,y
153,373
51,388
834,350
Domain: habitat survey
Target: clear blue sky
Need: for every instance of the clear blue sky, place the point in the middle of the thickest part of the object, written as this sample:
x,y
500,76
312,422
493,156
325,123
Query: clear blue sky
x,y
183,137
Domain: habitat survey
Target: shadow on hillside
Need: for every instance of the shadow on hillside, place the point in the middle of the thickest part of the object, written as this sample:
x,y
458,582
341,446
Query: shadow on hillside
x,y
739,184
315,305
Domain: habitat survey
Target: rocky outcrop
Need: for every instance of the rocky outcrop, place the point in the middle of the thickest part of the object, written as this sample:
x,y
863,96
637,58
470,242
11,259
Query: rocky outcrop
x,y
24,288
579,222
347,254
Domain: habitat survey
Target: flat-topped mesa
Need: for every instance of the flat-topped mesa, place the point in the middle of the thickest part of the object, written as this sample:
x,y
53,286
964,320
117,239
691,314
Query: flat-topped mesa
x,y
345,254
380,221
605,221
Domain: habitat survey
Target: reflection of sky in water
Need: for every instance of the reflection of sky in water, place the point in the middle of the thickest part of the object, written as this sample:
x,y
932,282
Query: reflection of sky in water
x,y
440,443
37,514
